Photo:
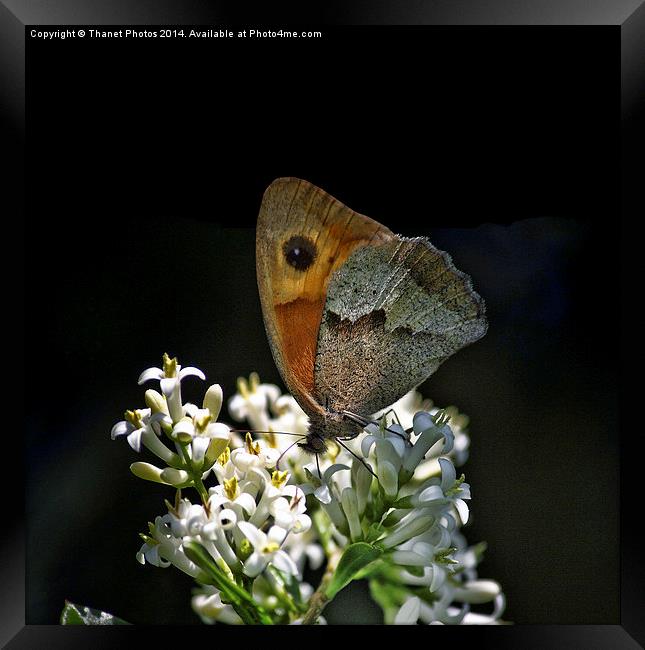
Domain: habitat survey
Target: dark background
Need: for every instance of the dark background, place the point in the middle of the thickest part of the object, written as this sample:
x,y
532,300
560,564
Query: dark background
x,y
147,163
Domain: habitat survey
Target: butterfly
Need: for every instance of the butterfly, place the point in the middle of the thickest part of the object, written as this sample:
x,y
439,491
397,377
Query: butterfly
x,y
356,316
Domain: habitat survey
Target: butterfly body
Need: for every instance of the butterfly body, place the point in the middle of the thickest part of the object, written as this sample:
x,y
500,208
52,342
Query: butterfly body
x,y
356,316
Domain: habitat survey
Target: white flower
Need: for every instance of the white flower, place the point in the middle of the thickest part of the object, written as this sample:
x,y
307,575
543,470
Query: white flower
x,y
320,486
290,514
410,506
163,547
457,491
200,431
134,426
409,407
149,552
230,495
254,454
410,526
252,402
207,604
187,520
170,377
266,549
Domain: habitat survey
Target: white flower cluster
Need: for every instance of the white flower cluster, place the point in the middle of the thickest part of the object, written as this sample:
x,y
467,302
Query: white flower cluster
x,y
244,522
413,508
391,497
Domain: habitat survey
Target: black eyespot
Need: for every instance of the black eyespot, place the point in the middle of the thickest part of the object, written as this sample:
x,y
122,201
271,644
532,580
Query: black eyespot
x,y
299,252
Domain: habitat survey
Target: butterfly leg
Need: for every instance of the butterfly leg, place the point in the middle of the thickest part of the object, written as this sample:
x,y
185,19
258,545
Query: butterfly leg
x,y
363,421
362,460
395,415
409,430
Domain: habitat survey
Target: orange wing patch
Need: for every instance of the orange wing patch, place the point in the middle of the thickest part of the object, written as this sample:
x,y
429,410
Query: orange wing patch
x,y
292,298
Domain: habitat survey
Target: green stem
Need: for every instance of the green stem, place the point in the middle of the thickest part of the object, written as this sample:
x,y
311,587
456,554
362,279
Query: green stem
x,y
319,599
195,475
242,602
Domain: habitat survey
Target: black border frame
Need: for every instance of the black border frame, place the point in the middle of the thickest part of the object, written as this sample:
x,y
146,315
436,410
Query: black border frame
x,y
626,15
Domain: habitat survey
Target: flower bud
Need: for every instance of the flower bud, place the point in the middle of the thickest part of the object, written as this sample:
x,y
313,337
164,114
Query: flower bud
x,y
213,400
174,477
388,478
350,508
147,472
408,530
216,448
362,481
184,430
156,402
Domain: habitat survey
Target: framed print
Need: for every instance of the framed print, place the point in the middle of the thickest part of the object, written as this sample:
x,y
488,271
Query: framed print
x,y
286,226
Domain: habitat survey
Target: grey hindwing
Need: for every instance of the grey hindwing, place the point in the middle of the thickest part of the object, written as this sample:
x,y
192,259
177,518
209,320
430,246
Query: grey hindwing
x,y
393,314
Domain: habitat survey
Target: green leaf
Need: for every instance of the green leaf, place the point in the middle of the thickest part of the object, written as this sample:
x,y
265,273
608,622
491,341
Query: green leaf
x,y
80,615
356,557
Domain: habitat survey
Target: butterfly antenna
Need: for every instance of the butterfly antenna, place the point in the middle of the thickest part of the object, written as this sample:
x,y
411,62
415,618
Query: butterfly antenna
x,y
362,460
277,463
281,433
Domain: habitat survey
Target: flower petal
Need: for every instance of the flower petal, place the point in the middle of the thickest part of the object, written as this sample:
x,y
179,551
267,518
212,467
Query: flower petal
x,y
246,502
409,612
227,519
448,474
200,445
283,562
254,564
422,421
462,509
134,440
169,385
478,591
191,372
366,444
323,494
120,429
148,374
257,538
237,407
301,524
330,471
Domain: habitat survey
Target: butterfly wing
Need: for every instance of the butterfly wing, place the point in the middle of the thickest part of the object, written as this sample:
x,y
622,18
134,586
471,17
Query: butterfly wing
x,y
393,314
303,236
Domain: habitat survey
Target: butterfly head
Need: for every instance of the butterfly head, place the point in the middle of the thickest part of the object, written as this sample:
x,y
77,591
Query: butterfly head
x,y
314,444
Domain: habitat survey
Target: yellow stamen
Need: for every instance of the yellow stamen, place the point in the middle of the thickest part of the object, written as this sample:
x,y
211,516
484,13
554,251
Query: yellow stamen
x,y
230,488
278,479
243,388
134,418
169,366
271,547
254,381
201,424
251,446
224,457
